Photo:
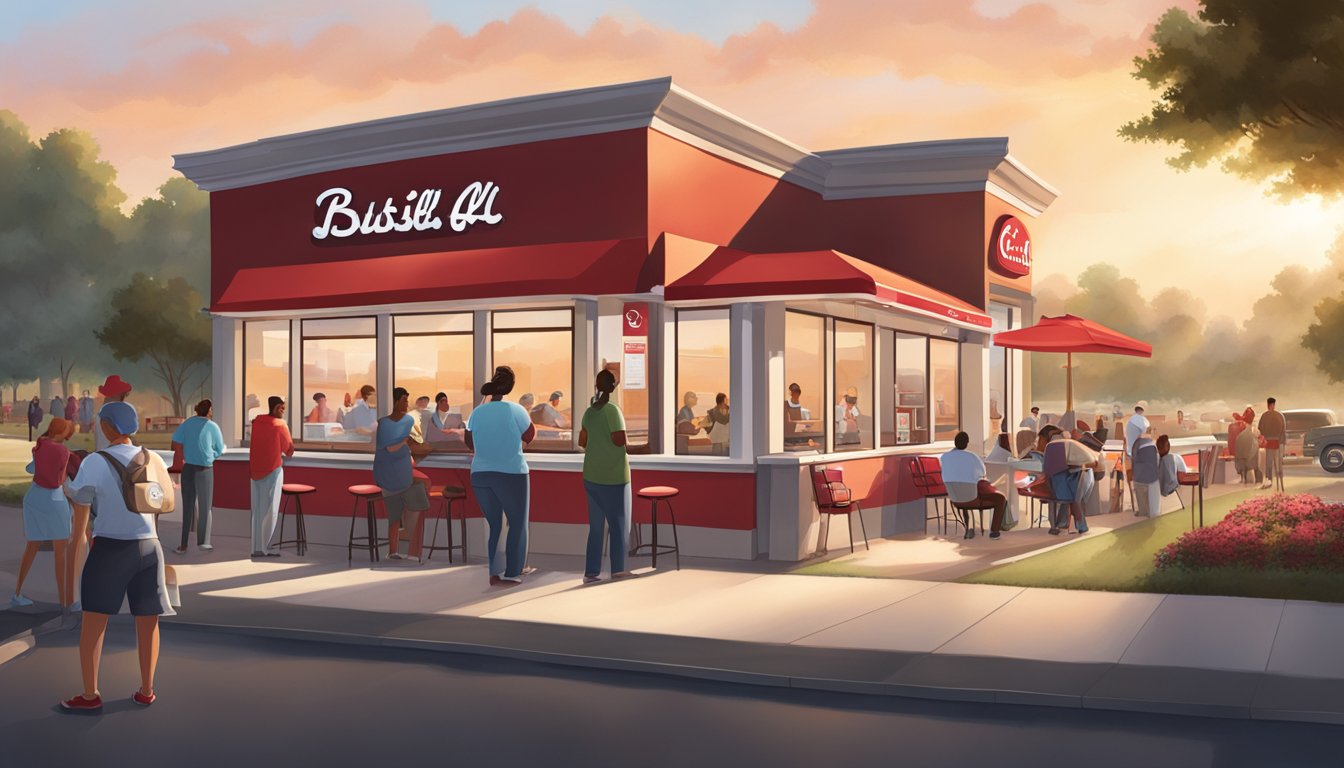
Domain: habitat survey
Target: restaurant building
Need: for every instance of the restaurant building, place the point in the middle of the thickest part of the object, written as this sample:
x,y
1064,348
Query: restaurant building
x,y
709,262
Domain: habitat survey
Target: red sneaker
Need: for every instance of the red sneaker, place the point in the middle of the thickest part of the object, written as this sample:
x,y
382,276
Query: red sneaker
x,y
81,704
142,699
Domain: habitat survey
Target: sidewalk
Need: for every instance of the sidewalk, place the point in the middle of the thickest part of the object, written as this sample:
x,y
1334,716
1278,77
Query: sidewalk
x,y
1209,656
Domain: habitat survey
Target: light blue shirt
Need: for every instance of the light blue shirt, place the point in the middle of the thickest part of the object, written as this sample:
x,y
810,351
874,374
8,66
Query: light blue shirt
x,y
961,466
392,470
201,440
497,429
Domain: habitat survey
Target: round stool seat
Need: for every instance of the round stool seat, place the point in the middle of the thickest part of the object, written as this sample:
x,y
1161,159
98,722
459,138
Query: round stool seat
x,y
297,489
658,492
452,492
418,475
366,490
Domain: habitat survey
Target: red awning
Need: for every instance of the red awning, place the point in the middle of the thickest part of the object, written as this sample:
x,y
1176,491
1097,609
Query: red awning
x,y
732,274
590,268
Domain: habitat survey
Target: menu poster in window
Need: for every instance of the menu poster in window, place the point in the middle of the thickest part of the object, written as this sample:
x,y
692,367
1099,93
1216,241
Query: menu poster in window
x,y
636,357
903,425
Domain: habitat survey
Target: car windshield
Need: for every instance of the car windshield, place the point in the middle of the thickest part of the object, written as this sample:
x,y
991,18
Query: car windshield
x,y
1301,422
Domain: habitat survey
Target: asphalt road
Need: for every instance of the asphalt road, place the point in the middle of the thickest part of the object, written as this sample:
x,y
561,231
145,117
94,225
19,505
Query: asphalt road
x,y
234,701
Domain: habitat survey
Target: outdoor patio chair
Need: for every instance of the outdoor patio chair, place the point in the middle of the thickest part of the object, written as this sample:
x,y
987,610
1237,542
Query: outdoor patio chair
x,y
965,498
833,497
1195,482
927,473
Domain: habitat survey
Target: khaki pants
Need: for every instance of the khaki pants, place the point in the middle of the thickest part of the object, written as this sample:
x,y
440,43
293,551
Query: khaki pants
x,y
1274,466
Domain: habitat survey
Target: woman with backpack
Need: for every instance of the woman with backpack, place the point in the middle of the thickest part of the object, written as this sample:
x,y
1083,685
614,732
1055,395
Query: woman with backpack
x,y
46,510
606,480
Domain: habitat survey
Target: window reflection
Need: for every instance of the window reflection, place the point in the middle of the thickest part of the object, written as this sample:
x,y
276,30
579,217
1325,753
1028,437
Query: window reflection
x,y
911,383
539,346
265,367
805,410
340,359
853,412
946,365
432,356
703,372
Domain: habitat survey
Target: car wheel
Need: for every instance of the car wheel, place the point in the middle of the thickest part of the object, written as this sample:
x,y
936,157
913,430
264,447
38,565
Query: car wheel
x,y
1332,458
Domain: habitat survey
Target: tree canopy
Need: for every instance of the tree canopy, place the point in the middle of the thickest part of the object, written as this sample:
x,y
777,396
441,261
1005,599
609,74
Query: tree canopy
x,y
1254,85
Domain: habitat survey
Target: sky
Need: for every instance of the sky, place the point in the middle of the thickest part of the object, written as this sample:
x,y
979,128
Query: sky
x,y
150,78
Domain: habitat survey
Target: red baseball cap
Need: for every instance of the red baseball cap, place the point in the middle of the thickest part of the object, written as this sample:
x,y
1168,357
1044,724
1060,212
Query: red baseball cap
x,y
114,387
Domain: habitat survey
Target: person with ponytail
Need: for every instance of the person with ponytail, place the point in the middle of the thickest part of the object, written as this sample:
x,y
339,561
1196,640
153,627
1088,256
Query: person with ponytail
x,y
496,432
606,479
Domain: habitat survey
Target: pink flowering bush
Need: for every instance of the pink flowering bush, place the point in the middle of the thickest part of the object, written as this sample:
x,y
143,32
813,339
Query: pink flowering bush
x,y
1292,533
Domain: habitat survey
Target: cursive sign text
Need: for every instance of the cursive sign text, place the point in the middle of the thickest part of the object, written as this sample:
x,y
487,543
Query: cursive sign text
x,y
342,218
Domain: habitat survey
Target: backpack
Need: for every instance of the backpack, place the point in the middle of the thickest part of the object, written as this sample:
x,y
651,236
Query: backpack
x,y
142,494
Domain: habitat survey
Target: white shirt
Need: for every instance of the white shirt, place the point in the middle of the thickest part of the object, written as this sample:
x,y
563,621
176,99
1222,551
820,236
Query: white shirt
x,y
840,425
96,480
961,466
1135,428
362,416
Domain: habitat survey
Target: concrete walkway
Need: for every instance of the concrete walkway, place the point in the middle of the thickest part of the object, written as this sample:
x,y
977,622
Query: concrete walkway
x,y
1211,656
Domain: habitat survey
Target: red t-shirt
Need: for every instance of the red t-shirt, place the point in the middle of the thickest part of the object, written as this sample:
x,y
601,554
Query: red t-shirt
x,y
50,461
270,441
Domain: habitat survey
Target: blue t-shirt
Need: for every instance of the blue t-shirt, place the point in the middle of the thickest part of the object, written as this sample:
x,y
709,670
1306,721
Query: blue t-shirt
x,y
201,440
497,429
392,469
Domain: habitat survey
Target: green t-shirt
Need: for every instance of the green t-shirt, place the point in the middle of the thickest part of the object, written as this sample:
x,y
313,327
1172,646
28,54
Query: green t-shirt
x,y
604,462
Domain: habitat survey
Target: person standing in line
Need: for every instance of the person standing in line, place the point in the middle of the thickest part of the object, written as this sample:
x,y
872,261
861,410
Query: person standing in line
x,y
606,480
71,409
46,511
57,409
1275,431
201,442
126,561
113,390
270,443
496,433
404,499
34,415
86,412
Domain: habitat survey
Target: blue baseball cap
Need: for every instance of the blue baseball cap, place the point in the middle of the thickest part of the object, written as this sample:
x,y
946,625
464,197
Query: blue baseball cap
x,y
121,416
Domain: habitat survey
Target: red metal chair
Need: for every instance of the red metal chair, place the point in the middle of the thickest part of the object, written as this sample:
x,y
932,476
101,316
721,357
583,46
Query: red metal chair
x,y
1195,482
927,474
833,497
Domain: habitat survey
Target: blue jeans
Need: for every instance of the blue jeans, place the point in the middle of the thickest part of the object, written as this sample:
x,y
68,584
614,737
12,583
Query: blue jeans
x,y
504,496
607,505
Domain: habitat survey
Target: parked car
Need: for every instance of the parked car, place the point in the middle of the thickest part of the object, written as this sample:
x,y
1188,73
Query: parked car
x,y
1299,423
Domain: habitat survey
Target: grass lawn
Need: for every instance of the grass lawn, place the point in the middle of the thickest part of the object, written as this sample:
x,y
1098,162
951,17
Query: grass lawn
x,y
1122,561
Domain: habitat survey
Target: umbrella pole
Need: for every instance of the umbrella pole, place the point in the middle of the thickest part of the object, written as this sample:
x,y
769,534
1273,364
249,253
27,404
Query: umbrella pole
x,y
1069,385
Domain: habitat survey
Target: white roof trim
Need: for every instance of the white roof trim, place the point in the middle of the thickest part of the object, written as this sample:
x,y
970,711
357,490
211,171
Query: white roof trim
x,y
919,168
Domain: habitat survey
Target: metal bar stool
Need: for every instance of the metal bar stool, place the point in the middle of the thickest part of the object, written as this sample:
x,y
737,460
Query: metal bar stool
x,y
367,494
449,494
655,494
294,491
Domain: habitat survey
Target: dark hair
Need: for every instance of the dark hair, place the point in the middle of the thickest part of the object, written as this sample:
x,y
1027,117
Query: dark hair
x,y
441,396
400,392
1035,409
1163,440
1049,430
272,402
606,384
961,440
1271,401
318,397
719,398
500,384
365,391
204,407
1004,442
795,388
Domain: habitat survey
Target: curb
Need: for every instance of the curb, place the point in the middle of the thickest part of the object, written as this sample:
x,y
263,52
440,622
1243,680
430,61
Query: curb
x,y
763,679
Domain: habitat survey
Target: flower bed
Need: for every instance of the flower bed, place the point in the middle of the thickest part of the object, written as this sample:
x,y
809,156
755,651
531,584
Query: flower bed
x,y
1282,533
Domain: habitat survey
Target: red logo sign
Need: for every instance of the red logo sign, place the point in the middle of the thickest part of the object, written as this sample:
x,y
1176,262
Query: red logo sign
x,y
636,319
1010,249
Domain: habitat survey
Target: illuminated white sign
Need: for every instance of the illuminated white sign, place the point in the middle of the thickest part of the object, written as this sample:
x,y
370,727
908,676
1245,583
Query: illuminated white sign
x,y
341,218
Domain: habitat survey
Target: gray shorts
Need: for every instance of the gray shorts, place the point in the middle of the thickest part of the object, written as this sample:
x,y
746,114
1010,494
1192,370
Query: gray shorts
x,y
413,499
121,569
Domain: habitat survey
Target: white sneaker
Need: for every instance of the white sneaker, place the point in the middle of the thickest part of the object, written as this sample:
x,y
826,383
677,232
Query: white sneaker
x,y
205,548
395,556
19,601
75,607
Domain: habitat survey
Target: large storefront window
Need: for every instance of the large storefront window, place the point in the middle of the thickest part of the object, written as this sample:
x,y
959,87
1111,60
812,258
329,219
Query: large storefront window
x,y
432,355
911,360
340,368
539,346
703,372
805,410
853,412
265,367
945,362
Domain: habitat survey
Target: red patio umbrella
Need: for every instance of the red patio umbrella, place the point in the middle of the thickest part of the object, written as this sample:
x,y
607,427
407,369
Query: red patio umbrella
x,y
1069,334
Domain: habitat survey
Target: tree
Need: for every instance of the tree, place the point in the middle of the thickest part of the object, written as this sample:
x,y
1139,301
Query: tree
x,y
161,320
1254,85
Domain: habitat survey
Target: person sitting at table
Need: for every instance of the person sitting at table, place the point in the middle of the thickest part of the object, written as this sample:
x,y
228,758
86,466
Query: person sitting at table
x,y
1067,463
716,424
1146,473
965,478
793,409
528,401
442,428
321,413
548,413
847,418
687,422
363,419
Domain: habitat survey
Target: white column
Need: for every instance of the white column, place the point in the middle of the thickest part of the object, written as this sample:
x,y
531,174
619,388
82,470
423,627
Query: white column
x,y
226,376
295,410
665,399
384,380
482,358
975,389
742,389
769,375
585,362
